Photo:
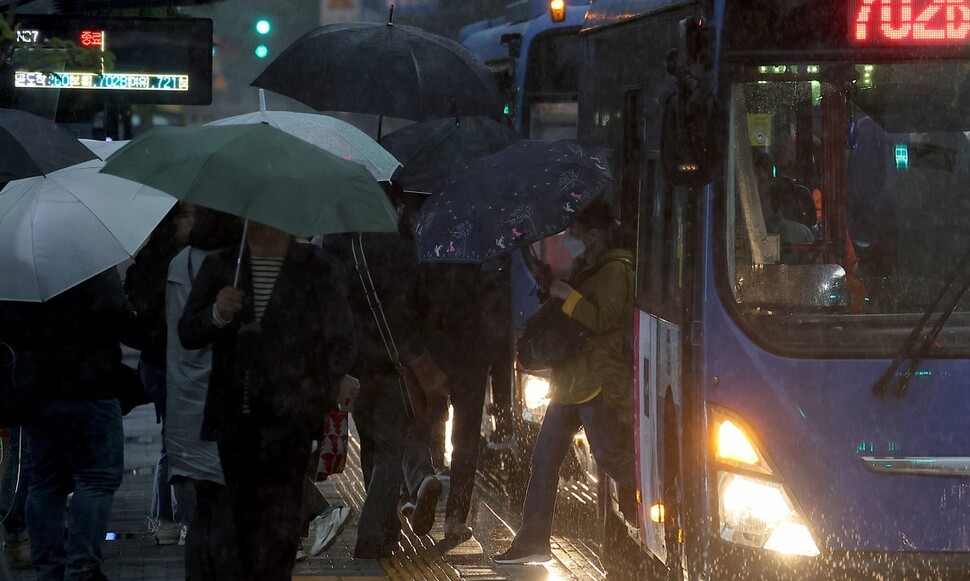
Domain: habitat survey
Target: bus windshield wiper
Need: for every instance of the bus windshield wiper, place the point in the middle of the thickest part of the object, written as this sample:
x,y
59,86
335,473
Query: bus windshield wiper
x,y
882,384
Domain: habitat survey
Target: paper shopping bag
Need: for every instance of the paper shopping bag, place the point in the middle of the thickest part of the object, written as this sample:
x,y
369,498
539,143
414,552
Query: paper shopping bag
x,y
333,444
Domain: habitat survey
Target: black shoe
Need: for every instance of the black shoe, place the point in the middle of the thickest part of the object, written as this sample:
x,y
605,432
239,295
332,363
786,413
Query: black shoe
x,y
516,556
422,519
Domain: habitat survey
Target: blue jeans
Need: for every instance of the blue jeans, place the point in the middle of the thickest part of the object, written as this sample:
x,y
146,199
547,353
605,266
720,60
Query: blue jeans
x,y
14,483
79,446
164,503
560,424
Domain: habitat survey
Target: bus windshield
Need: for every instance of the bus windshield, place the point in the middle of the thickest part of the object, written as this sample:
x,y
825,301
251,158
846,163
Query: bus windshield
x,y
850,202
551,91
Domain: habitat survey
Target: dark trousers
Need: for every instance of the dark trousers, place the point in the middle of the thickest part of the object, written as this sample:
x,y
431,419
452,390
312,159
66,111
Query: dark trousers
x,y
264,470
467,382
14,482
211,550
559,426
383,428
79,446
313,501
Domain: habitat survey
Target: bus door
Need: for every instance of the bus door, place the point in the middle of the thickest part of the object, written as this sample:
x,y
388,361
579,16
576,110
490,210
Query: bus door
x,y
658,394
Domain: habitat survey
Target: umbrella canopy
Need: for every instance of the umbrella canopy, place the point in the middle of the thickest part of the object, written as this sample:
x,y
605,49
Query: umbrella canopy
x,y
260,173
31,146
103,149
329,133
383,69
61,229
434,151
522,194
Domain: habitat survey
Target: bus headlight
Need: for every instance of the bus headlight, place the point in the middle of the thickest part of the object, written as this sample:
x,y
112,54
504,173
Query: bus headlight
x,y
535,396
754,508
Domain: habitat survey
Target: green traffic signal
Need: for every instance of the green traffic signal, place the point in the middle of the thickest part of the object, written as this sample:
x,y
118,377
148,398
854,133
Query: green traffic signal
x,y
263,26
262,51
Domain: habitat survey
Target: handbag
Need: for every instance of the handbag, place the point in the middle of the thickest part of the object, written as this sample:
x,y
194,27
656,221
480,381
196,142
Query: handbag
x,y
420,381
550,338
332,446
426,383
130,390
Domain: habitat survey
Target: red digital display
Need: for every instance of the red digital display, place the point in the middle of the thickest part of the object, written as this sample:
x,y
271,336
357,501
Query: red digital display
x,y
909,22
92,37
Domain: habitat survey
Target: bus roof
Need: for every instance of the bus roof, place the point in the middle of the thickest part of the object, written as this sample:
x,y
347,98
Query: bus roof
x,y
608,12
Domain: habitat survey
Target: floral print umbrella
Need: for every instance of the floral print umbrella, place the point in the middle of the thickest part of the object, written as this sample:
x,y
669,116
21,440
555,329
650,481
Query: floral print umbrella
x,y
522,194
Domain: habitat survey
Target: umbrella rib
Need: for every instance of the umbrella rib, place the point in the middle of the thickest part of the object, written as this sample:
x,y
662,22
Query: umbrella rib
x,y
33,244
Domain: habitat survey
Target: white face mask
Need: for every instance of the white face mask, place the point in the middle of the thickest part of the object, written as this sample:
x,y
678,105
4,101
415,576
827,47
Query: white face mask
x,y
574,246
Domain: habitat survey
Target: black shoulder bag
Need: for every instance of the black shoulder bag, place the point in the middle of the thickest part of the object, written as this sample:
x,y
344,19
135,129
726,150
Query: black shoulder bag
x,y
550,337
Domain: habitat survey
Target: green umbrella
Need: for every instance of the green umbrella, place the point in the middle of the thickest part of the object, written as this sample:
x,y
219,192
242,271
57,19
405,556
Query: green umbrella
x,y
260,173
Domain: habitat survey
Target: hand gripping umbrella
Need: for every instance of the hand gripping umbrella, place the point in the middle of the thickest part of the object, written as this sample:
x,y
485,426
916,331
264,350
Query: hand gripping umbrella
x,y
383,69
522,194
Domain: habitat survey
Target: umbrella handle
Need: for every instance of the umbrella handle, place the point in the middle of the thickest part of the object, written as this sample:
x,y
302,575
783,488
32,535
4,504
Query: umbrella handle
x,y
242,245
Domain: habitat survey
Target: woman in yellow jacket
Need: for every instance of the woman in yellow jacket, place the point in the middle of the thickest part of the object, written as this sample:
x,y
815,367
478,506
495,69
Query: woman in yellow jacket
x,y
592,389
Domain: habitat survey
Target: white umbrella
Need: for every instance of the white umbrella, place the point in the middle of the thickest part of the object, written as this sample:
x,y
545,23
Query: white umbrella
x,y
58,230
103,149
328,133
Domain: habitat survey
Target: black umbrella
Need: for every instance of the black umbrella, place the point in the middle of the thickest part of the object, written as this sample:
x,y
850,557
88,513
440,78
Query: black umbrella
x,y
383,69
522,194
31,145
433,151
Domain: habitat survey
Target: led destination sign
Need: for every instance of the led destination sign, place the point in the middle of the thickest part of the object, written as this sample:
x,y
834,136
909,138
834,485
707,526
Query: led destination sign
x,y
909,22
109,81
143,60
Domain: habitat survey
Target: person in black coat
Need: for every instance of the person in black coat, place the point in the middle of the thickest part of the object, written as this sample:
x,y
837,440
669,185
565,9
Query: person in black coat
x,y
282,340
393,453
69,366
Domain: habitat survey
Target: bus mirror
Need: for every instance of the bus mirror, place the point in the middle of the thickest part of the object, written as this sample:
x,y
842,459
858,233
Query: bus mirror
x,y
512,41
687,142
792,288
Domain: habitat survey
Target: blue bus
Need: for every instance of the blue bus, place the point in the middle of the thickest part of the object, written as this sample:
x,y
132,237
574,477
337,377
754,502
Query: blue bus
x,y
798,174
534,55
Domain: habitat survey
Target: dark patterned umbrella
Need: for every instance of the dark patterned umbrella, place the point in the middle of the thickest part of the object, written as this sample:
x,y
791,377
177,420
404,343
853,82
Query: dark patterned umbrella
x,y
383,69
31,146
522,194
433,151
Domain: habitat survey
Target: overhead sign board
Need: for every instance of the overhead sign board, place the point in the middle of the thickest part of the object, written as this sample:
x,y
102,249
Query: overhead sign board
x,y
134,60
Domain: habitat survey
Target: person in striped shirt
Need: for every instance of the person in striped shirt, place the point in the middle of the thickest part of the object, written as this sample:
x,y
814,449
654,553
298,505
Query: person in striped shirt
x,y
283,336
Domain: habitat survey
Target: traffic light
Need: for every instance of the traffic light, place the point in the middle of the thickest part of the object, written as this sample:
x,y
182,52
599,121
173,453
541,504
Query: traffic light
x,y
262,27
557,9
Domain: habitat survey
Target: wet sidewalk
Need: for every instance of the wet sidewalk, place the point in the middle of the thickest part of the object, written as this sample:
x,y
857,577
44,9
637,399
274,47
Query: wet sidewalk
x,y
131,554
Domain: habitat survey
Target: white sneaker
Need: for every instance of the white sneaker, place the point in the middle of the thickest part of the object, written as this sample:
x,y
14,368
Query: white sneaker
x,y
325,529
183,534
